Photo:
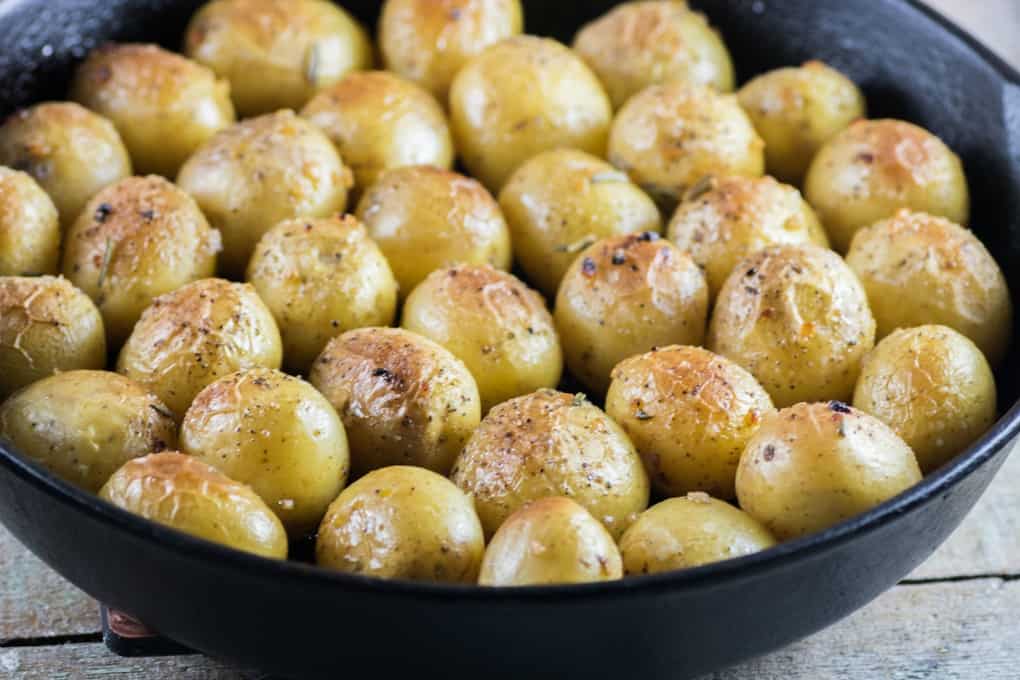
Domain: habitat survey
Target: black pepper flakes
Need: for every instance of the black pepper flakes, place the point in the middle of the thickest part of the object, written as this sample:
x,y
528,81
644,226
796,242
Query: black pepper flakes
x,y
102,212
588,266
839,407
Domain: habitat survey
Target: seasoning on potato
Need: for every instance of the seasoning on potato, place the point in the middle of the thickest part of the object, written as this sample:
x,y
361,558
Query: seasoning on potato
x,y
623,296
29,226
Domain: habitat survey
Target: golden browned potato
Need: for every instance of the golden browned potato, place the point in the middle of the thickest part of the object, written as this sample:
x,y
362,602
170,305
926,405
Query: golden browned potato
x,y
492,322
798,320
696,529
135,240
319,278
426,218
874,168
82,425
689,413
522,96
379,121
727,219
403,399
275,433
933,387
197,334
638,44
46,326
669,137
164,105
552,444
260,172
548,541
428,41
29,226
623,296
402,523
277,54
188,495
919,269
71,152
796,110
560,202
813,465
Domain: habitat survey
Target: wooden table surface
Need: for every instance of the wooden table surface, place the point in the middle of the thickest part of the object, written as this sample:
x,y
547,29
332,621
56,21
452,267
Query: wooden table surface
x,y
955,618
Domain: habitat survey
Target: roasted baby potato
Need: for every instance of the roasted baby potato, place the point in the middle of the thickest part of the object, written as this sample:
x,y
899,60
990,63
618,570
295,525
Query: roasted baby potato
x,y
426,218
276,54
520,97
690,531
689,413
492,322
260,172
919,269
136,240
798,320
197,334
813,465
403,399
796,110
29,226
933,387
402,523
552,444
46,326
71,152
83,425
563,200
319,278
163,105
188,495
638,44
550,541
874,168
623,296
275,433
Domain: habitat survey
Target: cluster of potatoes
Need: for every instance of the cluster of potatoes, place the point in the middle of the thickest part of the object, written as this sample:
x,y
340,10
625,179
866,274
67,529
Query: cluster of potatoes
x,y
721,318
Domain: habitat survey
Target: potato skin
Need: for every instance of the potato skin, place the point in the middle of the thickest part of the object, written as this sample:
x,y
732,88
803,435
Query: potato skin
x,y
428,41
735,217
552,444
29,226
425,218
796,110
874,168
811,466
46,326
689,413
403,399
668,137
70,151
561,200
402,522
136,240
919,269
638,44
520,97
82,425
260,172
319,278
492,322
550,541
186,494
798,320
276,54
163,105
275,433
197,334
623,296
933,387
690,531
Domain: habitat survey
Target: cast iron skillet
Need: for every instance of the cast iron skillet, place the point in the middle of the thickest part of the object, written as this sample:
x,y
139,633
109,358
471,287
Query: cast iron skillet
x,y
295,620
